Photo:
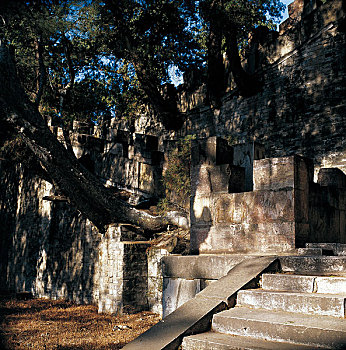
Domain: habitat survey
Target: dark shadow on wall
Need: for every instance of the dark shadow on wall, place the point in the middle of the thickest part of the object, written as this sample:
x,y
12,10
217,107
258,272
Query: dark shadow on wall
x,y
66,266
135,278
301,108
9,182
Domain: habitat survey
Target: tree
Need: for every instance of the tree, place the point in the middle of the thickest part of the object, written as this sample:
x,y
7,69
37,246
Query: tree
x,y
84,190
113,51
152,36
229,23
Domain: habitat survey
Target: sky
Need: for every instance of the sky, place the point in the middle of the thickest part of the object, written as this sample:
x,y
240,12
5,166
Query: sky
x,y
286,2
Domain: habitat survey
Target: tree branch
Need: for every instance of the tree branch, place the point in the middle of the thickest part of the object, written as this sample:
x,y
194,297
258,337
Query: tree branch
x,y
84,190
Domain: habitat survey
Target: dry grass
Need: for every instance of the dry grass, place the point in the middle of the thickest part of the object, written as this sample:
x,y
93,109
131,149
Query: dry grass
x,y
47,324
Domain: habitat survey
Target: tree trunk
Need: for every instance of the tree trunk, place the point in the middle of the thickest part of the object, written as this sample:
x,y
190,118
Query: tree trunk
x,y
82,188
216,69
165,108
247,84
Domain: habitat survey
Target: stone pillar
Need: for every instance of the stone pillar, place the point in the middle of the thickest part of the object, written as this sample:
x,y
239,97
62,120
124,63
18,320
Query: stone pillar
x,y
123,271
294,173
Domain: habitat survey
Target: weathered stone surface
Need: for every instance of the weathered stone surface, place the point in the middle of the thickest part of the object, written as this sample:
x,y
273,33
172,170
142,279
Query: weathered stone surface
x,y
244,155
282,326
200,266
286,172
247,238
331,285
149,179
242,222
219,341
146,142
309,251
331,177
282,282
334,265
306,284
297,302
176,292
336,248
213,151
195,315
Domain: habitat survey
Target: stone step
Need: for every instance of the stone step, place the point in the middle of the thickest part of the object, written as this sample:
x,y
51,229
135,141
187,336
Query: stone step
x,y
336,248
309,251
305,303
303,283
311,265
220,341
282,326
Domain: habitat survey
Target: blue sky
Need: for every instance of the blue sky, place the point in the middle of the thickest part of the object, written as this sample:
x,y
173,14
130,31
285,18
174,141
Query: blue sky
x,y
286,2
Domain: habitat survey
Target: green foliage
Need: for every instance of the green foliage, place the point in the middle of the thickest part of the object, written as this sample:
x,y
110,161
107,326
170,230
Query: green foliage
x,y
176,179
108,56
242,15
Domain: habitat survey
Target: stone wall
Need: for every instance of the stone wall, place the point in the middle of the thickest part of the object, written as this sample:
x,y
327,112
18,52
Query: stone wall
x,y
130,277
47,247
51,250
301,108
284,210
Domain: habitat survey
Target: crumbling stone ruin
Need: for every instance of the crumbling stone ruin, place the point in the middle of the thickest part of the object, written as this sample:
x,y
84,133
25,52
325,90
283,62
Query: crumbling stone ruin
x,y
283,211
267,174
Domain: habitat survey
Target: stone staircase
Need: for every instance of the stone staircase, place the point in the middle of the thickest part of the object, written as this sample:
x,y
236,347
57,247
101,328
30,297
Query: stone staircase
x,y
302,307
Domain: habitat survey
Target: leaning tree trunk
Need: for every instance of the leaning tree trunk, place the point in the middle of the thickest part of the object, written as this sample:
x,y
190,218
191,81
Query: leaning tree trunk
x,y
82,188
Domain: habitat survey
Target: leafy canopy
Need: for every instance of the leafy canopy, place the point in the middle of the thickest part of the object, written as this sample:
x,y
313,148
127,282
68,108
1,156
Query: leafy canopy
x,y
82,59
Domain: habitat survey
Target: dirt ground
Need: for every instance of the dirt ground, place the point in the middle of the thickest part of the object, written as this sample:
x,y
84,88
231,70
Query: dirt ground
x,y
47,324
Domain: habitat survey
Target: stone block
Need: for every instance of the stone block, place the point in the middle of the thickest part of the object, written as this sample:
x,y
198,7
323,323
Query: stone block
x,y
309,251
285,172
283,282
149,157
301,206
226,178
149,177
305,303
205,267
253,207
154,294
320,331
213,151
244,238
257,221
176,292
331,285
200,210
244,155
333,265
146,142
200,180
219,341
